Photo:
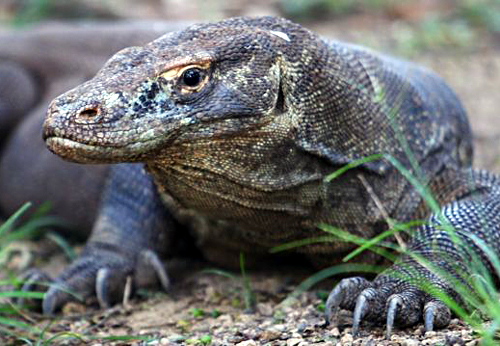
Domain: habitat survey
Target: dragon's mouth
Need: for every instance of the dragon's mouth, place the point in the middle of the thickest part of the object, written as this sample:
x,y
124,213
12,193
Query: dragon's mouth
x,y
79,152
97,147
74,151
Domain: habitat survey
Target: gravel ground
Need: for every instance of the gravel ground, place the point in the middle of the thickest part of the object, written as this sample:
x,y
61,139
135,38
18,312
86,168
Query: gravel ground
x,y
207,309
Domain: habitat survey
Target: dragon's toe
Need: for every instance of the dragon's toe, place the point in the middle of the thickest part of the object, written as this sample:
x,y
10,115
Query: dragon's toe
x,y
436,314
33,280
403,309
343,296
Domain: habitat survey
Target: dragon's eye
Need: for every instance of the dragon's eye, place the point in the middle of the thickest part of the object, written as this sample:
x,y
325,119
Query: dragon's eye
x,y
187,80
192,77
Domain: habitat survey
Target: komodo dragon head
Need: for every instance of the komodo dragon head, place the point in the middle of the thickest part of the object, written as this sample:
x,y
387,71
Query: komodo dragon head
x,y
270,86
205,82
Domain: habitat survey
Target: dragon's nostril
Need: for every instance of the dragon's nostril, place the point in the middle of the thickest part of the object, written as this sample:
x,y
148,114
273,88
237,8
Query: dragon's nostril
x,y
89,115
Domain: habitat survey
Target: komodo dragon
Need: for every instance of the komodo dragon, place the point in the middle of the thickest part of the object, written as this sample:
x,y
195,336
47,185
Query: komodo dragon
x,y
238,123
37,64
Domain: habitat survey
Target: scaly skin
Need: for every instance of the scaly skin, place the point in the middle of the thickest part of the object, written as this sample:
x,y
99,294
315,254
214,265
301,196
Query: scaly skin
x,y
238,123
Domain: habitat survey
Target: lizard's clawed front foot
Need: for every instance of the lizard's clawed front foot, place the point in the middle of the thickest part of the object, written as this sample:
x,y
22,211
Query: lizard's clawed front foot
x,y
394,301
97,272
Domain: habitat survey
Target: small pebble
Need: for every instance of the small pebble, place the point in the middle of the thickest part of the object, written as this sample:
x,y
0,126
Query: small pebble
x,y
247,343
264,309
301,327
293,342
269,335
410,342
279,327
346,338
430,334
335,332
419,331
225,320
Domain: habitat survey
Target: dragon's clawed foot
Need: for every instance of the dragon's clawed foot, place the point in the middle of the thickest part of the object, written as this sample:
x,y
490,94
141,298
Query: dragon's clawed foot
x,y
99,272
393,301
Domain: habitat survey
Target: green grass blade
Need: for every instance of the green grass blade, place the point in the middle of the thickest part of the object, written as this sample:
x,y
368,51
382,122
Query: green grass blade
x,y
422,190
378,238
63,244
488,251
19,335
302,242
43,222
351,165
70,335
7,309
18,324
125,338
26,341
21,294
348,237
42,210
75,295
13,218
248,296
219,272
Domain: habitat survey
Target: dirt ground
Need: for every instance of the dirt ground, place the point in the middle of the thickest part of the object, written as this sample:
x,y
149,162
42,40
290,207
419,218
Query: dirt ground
x,y
205,308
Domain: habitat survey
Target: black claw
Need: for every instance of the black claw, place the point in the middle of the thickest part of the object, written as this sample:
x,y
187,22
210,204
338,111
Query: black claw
x,y
101,288
429,318
31,279
127,291
56,296
154,261
332,304
436,315
50,300
392,309
359,312
343,296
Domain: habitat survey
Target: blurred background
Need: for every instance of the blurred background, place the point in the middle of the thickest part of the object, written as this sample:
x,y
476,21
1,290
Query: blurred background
x,y
404,26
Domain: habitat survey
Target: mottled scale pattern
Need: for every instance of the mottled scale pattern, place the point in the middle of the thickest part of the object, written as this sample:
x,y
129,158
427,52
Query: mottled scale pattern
x,y
239,148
